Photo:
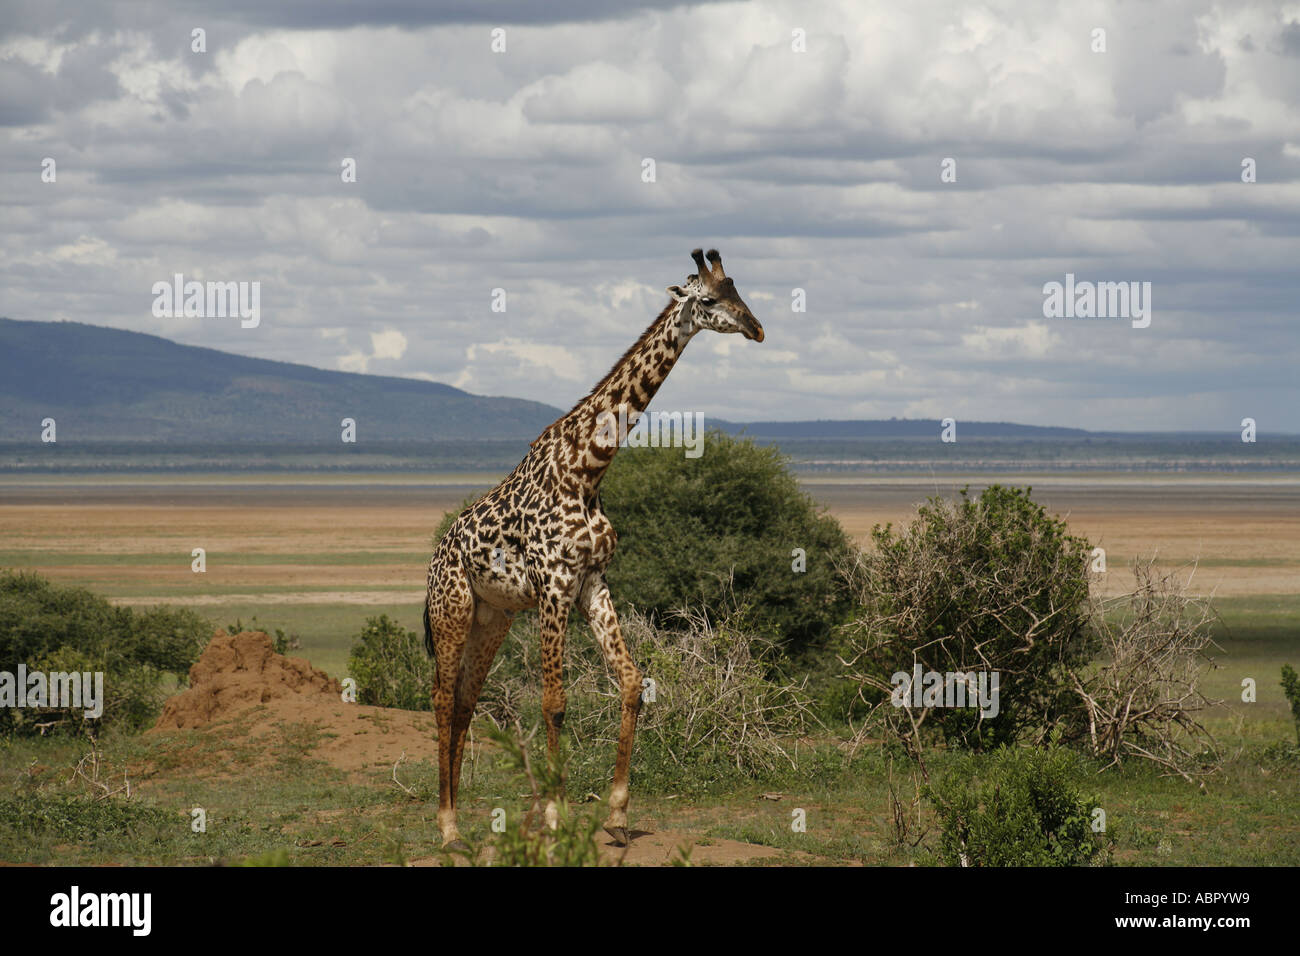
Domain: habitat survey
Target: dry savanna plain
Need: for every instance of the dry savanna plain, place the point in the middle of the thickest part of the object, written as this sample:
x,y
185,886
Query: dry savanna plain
x,y
316,556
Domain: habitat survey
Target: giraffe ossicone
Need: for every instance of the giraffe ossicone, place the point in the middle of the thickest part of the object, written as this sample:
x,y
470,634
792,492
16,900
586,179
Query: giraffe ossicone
x,y
546,521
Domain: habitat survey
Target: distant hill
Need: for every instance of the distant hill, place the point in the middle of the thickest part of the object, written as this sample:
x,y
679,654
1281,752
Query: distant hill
x,y
102,384
112,391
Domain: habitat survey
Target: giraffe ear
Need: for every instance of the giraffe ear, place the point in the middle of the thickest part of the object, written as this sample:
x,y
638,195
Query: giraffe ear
x,y
678,293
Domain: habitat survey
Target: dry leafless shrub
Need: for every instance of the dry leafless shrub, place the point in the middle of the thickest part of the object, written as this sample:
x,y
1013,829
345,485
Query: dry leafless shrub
x,y
716,698
1142,696
715,694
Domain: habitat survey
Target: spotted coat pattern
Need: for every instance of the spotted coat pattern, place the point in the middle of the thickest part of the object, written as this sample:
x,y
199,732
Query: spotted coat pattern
x,y
540,539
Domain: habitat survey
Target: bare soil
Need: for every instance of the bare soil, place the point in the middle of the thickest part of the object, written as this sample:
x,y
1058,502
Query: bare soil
x,y
241,690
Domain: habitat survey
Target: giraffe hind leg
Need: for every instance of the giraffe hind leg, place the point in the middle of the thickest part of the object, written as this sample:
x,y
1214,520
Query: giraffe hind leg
x,y
489,629
448,616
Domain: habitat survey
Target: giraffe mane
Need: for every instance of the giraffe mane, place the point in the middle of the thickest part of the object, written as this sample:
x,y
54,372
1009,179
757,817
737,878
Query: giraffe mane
x,y
632,349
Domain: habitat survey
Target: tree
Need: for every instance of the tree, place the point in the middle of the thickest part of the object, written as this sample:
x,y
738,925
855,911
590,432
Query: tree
x,y
730,528
1142,695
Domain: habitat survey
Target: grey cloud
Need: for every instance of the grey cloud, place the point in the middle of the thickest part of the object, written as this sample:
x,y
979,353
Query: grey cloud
x,y
523,171
26,95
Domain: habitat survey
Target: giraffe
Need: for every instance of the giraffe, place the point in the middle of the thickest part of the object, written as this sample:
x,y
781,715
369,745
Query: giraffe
x,y
540,540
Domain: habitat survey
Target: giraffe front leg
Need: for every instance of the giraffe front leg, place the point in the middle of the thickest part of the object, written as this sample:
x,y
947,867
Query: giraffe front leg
x,y
554,613
598,607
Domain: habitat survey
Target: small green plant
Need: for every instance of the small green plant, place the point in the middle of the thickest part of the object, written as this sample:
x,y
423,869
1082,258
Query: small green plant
x,y
79,819
1017,806
284,643
390,666
575,840
1291,687
1278,754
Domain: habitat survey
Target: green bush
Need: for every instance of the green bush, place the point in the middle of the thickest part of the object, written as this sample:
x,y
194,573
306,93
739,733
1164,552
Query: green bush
x,y
719,531
987,584
390,666
1291,687
1018,806
54,628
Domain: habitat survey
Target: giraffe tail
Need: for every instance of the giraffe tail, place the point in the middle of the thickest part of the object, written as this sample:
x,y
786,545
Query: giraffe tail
x,y
428,633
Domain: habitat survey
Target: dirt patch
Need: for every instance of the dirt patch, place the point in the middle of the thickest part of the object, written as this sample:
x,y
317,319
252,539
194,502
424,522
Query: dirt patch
x,y
241,688
664,846
238,671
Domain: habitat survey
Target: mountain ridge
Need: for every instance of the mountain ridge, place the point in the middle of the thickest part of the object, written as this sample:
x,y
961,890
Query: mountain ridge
x,y
115,385
112,384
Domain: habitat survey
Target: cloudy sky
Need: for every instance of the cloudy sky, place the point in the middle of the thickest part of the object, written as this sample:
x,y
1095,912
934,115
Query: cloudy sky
x,y
805,140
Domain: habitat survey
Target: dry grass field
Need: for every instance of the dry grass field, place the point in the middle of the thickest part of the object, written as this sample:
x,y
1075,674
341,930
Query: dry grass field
x,y
365,542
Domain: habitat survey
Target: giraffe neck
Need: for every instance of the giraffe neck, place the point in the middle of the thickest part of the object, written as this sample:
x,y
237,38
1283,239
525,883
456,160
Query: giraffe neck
x,y
592,430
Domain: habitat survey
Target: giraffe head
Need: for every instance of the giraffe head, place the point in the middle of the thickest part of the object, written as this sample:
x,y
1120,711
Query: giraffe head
x,y
709,300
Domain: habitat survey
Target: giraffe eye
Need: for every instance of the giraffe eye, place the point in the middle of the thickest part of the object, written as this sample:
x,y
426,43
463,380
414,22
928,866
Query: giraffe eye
x,y
707,300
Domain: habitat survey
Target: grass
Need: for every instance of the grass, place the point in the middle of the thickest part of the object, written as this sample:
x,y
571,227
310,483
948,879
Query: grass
x,y
1258,635
294,805
287,805
314,815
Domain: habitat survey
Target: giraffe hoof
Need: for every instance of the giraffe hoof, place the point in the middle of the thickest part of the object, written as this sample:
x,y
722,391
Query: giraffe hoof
x,y
457,846
619,834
